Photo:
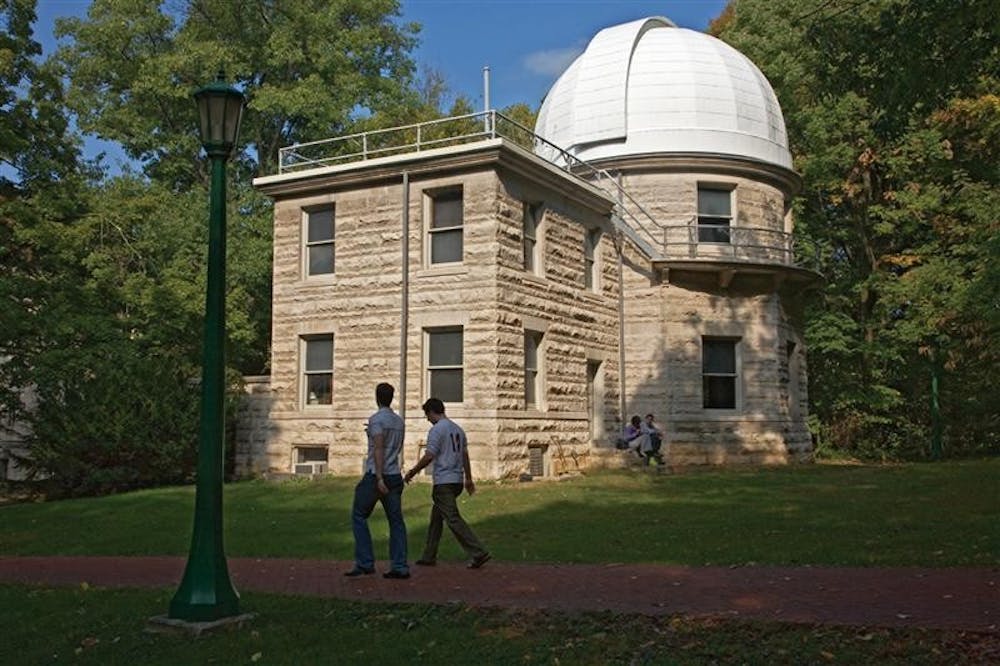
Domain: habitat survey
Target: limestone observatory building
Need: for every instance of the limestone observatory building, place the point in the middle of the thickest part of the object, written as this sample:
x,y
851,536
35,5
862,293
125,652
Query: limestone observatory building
x,y
631,254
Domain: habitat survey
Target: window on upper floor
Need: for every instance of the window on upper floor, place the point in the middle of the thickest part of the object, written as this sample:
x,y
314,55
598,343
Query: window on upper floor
x,y
319,240
720,373
317,369
715,214
444,230
444,363
591,265
531,230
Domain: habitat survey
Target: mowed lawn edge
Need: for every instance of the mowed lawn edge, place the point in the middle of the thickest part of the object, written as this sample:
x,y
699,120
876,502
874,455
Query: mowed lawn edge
x,y
927,514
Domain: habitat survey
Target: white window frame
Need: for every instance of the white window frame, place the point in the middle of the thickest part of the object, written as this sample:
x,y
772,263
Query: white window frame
x,y
706,229
735,376
592,260
308,243
532,241
305,373
431,197
430,369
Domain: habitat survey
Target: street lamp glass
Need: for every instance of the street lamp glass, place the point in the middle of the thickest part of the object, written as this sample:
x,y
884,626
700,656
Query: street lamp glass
x,y
221,108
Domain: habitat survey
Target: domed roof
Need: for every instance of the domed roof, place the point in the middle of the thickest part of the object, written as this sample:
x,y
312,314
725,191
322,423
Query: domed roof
x,y
649,87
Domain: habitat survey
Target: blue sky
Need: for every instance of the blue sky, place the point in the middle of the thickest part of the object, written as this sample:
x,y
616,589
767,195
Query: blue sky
x,y
526,43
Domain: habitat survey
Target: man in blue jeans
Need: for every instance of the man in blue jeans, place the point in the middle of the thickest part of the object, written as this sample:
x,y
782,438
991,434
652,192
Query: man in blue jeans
x,y
382,482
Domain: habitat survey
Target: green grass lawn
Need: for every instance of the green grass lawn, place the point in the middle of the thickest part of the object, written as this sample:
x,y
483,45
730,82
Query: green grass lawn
x,y
105,627
943,514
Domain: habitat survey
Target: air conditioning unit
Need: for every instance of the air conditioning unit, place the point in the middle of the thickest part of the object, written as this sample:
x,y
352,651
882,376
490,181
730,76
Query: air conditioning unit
x,y
310,468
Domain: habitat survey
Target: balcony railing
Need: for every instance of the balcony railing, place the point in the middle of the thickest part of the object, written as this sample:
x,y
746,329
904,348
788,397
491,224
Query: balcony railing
x,y
741,244
663,242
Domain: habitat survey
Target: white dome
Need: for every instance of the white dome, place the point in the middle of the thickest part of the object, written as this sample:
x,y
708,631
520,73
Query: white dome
x,y
649,87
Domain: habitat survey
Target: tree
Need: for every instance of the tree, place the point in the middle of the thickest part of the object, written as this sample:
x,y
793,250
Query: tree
x,y
891,112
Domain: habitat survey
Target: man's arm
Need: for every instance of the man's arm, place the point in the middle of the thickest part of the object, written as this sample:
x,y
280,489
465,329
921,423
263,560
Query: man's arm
x,y
470,485
426,460
378,443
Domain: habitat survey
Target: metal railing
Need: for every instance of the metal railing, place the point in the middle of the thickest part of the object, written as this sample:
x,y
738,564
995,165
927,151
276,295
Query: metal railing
x,y
663,242
745,244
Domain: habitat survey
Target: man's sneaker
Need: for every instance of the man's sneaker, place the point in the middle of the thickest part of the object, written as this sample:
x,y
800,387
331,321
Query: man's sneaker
x,y
359,571
479,561
427,563
397,575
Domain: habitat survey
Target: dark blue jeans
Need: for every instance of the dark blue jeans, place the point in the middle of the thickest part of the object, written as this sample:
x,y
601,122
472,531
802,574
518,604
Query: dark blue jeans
x,y
365,498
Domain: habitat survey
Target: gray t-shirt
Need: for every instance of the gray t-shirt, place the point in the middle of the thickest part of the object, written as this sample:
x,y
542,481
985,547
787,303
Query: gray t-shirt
x,y
387,423
446,442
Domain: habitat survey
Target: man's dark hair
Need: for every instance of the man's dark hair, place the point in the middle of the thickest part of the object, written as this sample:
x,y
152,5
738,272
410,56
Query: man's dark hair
x,y
433,405
649,416
383,394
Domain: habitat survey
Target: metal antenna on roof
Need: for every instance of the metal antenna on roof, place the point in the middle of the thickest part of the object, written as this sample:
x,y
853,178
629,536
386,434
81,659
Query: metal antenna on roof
x,y
486,98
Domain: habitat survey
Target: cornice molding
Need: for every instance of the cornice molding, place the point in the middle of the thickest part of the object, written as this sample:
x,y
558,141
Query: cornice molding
x,y
786,180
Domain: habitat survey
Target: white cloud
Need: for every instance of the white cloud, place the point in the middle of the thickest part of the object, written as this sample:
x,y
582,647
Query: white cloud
x,y
552,62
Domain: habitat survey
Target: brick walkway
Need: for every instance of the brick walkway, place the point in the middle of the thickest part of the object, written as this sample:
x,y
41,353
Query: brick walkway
x,y
955,598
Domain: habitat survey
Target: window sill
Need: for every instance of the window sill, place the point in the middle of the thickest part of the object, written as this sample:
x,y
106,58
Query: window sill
x,y
536,278
318,280
444,269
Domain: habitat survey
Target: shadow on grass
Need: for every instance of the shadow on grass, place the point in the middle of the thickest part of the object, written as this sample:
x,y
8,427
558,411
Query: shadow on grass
x,y
927,515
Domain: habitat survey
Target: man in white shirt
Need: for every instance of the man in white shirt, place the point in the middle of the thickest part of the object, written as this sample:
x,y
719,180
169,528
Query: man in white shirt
x,y
382,482
448,448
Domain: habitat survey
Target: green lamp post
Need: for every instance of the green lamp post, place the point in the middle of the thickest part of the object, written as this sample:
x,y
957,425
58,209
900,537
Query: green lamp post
x,y
206,593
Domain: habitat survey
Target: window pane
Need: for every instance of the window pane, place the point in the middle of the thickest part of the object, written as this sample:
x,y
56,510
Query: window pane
x,y
590,244
530,387
446,385
447,210
320,224
713,230
319,389
529,254
311,454
530,214
531,350
719,357
321,259
445,348
719,392
714,202
319,354
446,246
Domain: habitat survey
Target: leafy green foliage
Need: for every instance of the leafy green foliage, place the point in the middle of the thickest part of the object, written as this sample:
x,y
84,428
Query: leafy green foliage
x,y
892,114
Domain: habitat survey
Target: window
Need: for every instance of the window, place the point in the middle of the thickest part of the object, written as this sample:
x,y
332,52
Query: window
x,y
590,244
317,373
310,460
444,364
715,214
718,373
595,399
445,228
532,218
532,367
319,240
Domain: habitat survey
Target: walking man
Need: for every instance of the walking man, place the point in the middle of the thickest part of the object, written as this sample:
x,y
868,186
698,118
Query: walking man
x,y
383,483
448,449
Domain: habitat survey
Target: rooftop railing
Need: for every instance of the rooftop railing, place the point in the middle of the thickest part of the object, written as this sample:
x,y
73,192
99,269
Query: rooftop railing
x,y
662,242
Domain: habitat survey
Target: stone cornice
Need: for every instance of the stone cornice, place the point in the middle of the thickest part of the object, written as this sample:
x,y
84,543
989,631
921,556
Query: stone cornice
x,y
784,179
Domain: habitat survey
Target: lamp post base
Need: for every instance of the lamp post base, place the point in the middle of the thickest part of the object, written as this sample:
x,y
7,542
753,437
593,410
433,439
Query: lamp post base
x,y
161,624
